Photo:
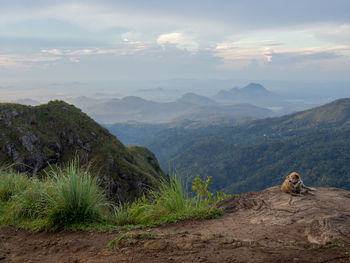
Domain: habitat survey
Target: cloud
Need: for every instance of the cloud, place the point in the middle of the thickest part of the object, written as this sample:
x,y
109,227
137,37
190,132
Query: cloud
x,y
301,56
75,60
120,49
180,40
229,34
24,62
240,54
338,33
52,51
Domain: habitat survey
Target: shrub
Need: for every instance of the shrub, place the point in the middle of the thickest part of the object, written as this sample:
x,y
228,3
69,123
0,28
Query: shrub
x,y
77,197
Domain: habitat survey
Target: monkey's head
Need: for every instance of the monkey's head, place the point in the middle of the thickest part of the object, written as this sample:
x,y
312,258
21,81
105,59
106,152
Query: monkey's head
x,y
293,178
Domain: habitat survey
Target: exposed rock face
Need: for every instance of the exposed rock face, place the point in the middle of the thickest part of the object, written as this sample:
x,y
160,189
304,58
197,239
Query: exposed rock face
x,y
325,215
33,137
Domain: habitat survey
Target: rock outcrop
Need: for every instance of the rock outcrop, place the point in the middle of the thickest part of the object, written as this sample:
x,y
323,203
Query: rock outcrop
x,y
324,216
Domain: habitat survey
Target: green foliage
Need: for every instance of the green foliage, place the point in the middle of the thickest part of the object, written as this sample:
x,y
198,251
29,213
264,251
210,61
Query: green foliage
x,y
253,155
33,202
334,245
77,197
70,198
56,132
201,188
11,183
169,204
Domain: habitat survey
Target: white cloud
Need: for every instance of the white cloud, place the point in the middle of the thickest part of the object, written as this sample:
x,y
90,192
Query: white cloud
x,y
24,62
120,49
240,54
52,51
180,40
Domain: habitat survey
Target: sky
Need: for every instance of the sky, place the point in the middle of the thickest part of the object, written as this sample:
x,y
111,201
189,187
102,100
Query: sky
x,y
67,41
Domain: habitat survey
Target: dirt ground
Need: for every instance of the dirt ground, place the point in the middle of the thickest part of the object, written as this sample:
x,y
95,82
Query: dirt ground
x,y
255,228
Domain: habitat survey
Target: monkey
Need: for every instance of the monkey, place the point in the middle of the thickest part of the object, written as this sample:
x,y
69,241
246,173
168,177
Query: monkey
x,y
294,185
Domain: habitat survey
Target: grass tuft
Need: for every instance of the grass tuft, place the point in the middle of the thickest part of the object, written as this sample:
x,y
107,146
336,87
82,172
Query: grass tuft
x,y
77,197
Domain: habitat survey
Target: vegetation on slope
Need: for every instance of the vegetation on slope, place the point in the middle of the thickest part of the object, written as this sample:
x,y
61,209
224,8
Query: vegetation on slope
x,y
55,133
257,154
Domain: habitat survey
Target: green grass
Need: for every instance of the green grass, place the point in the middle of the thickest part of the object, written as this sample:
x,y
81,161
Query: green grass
x,y
334,245
168,205
11,183
70,198
66,197
77,197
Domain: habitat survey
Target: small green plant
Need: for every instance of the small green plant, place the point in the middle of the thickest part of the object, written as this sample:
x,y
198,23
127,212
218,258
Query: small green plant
x,y
334,245
201,188
130,239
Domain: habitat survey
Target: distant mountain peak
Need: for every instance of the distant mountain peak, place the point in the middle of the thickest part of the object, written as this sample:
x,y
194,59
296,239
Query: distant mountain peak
x,y
196,99
133,99
250,93
254,87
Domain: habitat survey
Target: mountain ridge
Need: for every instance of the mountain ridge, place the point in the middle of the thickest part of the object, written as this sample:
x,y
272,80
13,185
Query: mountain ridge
x,y
232,153
55,133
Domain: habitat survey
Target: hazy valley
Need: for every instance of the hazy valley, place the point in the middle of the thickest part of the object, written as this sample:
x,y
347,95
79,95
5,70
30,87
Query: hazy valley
x,y
253,154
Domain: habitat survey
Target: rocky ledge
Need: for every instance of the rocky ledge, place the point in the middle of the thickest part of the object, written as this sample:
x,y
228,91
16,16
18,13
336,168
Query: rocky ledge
x,y
324,216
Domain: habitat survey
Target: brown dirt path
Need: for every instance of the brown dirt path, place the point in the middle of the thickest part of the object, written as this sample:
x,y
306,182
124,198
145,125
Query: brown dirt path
x,y
266,226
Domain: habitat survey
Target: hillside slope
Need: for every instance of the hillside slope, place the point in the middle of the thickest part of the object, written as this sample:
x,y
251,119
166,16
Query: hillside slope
x,y
55,133
258,154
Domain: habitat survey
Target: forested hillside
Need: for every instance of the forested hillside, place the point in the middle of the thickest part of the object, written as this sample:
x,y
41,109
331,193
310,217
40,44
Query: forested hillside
x,y
257,154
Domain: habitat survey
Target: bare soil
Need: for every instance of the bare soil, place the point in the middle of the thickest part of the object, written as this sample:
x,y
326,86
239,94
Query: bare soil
x,y
266,226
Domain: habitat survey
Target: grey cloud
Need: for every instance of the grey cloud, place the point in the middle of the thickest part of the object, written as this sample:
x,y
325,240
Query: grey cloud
x,y
299,57
240,15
